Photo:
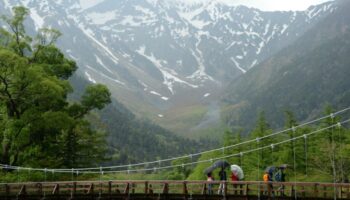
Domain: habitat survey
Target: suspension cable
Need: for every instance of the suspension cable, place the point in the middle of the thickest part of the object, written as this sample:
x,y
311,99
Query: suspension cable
x,y
171,166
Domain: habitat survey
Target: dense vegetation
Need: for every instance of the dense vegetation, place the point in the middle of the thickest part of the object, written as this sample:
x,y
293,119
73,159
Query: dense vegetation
x,y
38,126
322,156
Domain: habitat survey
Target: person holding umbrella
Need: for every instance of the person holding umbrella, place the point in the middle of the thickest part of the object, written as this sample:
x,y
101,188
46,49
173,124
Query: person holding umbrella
x,y
222,164
222,175
237,173
280,176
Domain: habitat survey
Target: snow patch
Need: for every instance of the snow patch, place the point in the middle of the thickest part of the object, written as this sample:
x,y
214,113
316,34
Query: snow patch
x,y
89,33
90,78
85,4
169,76
99,61
157,94
104,75
285,26
38,20
206,95
165,98
254,63
102,18
238,66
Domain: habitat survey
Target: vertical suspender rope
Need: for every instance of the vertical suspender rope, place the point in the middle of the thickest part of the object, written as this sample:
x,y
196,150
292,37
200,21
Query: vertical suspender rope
x,y
241,159
340,150
43,188
72,175
258,153
333,158
272,148
100,191
294,163
29,175
305,151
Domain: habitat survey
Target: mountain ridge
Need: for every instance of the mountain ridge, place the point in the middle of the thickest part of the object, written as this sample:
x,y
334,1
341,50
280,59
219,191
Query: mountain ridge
x,y
155,59
304,77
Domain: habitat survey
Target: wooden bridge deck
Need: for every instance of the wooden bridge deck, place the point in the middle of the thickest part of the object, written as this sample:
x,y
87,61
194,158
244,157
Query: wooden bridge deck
x,y
172,190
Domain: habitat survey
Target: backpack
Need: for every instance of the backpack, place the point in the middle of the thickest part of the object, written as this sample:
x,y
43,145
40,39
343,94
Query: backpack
x,y
278,176
266,177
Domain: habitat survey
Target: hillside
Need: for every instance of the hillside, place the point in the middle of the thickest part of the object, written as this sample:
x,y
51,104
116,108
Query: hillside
x,y
131,139
303,78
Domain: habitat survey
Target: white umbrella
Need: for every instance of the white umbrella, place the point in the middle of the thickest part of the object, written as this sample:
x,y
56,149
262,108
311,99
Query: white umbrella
x,y
237,170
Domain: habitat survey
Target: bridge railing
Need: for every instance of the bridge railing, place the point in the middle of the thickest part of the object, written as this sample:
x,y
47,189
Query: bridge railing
x,y
183,188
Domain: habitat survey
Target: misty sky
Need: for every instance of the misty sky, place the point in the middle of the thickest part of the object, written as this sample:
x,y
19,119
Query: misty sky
x,y
269,5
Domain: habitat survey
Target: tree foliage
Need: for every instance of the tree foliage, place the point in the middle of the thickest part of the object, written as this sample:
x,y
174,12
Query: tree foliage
x,y
38,126
323,155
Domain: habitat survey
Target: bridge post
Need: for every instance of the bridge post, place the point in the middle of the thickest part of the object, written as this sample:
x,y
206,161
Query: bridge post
x,y
225,189
246,190
184,189
315,190
40,189
74,190
269,190
303,191
133,185
146,187
109,189
7,190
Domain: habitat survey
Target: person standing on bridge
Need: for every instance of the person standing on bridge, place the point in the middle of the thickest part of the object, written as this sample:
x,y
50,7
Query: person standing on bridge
x,y
210,179
268,180
222,175
280,176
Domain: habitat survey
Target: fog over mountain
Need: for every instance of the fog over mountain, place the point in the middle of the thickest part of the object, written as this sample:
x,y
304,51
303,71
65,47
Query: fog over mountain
x,y
159,57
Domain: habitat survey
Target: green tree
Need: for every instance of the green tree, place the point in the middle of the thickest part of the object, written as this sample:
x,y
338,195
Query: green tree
x,y
39,127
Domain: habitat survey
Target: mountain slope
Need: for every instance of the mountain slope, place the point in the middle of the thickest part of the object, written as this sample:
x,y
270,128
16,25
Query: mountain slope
x,y
161,56
302,78
131,139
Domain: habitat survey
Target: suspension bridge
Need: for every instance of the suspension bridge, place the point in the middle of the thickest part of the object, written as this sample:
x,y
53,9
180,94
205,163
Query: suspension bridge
x,y
169,190
178,189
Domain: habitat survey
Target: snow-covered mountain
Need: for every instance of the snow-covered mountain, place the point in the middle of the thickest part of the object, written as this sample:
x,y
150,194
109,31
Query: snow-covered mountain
x,y
159,54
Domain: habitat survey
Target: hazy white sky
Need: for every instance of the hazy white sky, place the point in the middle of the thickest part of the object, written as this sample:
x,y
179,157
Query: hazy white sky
x,y
266,5
281,4
274,4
